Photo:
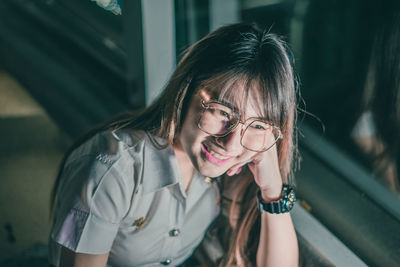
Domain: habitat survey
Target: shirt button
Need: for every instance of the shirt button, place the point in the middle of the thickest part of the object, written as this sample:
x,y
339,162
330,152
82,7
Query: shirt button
x,y
174,232
166,262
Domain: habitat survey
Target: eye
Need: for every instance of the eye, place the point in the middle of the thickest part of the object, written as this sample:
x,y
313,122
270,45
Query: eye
x,y
224,113
258,126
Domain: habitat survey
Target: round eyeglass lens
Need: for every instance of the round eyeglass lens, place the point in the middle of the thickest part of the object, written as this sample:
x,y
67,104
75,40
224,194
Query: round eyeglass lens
x,y
260,136
217,119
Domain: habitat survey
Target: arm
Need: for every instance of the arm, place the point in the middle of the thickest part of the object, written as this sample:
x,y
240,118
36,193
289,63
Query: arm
x,y
278,241
94,214
69,258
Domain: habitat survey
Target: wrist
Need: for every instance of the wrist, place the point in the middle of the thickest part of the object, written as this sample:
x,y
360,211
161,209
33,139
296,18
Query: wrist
x,y
271,194
283,204
267,197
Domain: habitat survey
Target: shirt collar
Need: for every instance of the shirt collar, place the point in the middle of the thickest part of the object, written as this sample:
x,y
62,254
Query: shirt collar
x,y
160,167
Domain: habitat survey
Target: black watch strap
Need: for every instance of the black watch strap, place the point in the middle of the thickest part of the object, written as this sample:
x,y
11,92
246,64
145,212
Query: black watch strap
x,y
284,204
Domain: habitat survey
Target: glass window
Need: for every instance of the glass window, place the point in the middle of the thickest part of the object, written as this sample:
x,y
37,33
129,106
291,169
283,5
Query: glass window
x,y
333,44
32,147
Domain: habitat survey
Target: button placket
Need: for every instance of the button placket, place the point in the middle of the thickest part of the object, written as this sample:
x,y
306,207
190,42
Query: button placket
x,y
176,215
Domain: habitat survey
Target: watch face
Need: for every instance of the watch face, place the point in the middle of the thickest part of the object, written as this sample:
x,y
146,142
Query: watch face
x,y
292,196
289,200
288,205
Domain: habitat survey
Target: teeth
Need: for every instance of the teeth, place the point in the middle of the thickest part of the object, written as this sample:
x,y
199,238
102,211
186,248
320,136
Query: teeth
x,y
218,156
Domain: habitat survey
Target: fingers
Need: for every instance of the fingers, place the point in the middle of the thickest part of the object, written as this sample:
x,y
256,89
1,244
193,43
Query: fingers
x,y
253,161
236,169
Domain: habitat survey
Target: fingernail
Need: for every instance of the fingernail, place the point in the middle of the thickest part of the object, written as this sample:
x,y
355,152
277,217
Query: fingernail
x,y
239,170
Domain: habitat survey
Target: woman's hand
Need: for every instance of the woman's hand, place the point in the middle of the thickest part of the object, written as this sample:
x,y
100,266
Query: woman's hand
x,y
265,169
266,173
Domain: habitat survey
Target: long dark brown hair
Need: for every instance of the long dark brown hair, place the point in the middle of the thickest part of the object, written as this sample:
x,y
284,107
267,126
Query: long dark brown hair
x,y
382,94
234,53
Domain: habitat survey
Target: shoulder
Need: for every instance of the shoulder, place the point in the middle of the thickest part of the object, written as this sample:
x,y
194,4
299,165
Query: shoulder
x,y
102,173
108,145
109,149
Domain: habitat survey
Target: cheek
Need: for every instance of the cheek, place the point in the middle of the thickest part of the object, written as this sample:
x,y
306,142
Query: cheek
x,y
247,156
190,127
190,133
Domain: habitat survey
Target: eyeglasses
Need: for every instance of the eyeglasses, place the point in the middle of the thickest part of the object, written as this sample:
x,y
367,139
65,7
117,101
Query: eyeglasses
x,y
219,120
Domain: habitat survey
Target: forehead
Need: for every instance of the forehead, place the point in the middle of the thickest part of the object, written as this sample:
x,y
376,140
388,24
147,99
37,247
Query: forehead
x,y
243,96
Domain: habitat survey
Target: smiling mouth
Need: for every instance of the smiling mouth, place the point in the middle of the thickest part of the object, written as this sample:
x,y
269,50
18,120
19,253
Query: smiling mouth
x,y
214,157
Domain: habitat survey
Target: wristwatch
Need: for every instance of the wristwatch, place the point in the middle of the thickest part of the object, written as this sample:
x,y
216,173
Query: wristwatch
x,y
284,204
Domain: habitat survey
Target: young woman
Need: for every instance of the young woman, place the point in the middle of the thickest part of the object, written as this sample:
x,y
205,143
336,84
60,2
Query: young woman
x,y
143,189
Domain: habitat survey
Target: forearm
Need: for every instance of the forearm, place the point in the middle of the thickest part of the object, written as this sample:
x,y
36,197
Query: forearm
x,y
278,241
71,259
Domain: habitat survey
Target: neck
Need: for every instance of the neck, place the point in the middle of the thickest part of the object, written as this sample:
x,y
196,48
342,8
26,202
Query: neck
x,y
185,165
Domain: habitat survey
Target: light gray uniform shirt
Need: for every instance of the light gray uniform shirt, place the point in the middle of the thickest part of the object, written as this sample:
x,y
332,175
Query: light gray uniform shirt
x,y
121,194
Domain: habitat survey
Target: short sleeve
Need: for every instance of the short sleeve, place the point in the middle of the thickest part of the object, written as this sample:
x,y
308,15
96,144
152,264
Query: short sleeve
x,y
95,194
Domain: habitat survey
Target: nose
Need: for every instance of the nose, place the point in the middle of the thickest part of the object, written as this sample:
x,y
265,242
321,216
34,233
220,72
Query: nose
x,y
231,142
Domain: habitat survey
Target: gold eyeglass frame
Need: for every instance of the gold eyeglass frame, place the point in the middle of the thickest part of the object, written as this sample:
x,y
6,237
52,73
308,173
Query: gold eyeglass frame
x,y
233,127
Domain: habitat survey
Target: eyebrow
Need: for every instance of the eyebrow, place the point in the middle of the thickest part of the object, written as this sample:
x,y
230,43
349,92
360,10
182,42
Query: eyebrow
x,y
229,105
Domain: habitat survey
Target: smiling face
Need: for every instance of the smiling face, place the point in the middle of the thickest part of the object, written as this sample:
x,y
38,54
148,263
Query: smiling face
x,y
213,156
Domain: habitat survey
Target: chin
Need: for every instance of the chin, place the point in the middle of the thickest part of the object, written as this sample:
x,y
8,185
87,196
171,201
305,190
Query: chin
x,y
212,174
212,171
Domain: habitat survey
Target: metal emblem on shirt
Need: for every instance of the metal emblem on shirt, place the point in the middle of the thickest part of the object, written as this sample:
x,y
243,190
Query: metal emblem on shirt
x,y
140,223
